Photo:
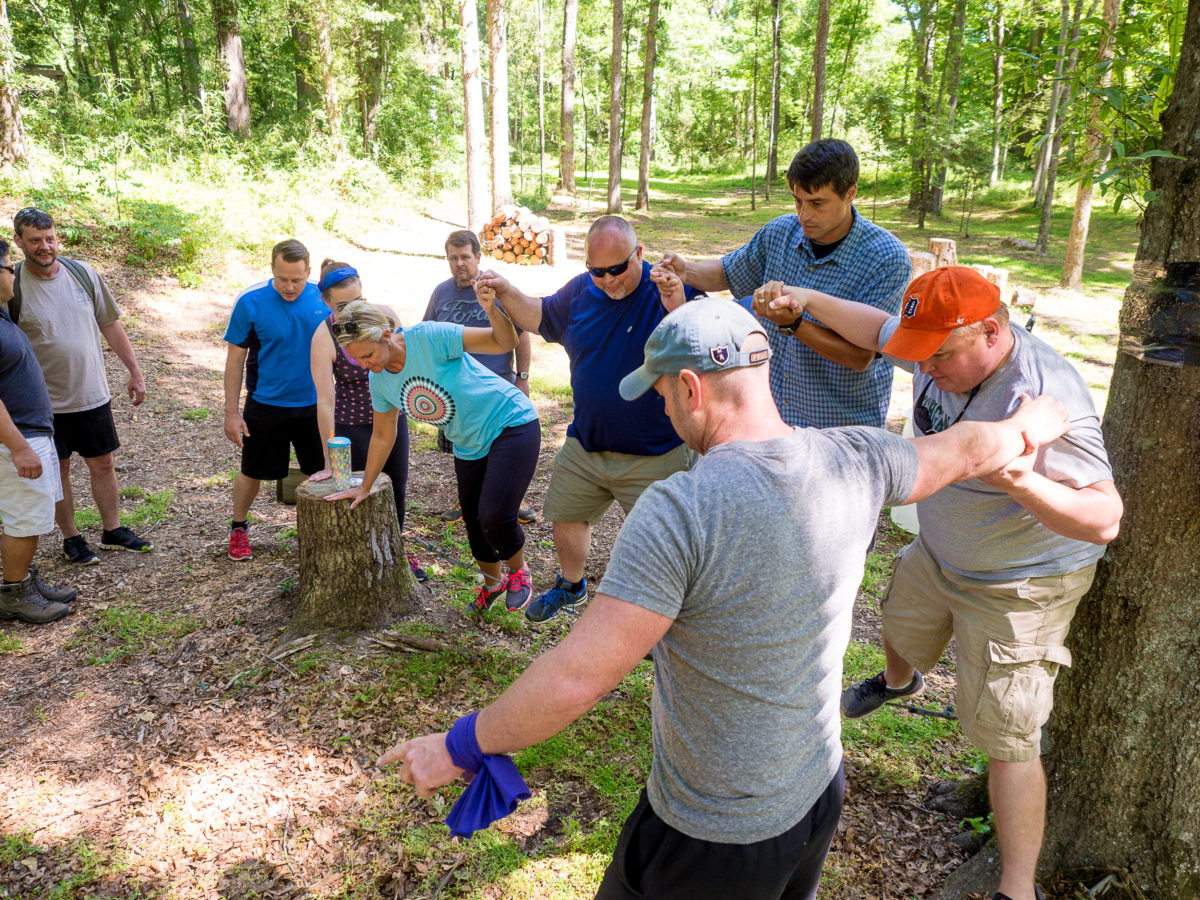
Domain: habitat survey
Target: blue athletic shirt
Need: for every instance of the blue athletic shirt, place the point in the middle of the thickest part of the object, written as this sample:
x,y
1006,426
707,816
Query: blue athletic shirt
x,y
444,386
605,340
278,335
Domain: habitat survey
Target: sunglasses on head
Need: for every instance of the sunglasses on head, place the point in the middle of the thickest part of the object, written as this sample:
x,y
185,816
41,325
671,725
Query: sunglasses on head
x,y
349,328
618,269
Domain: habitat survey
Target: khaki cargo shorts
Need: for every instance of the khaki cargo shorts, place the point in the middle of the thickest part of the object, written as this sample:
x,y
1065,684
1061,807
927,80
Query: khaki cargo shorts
x,y
583,485
1010,638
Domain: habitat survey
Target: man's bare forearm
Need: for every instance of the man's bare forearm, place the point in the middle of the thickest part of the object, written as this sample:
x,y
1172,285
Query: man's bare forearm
x,y
706,275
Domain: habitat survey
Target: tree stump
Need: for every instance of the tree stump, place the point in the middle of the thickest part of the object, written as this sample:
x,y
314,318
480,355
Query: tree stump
x,y
922,262
998,277
944,251
1025,298
556,253
353,571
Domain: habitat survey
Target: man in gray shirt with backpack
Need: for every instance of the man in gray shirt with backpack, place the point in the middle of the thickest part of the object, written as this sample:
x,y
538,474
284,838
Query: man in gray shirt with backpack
x,y
64,308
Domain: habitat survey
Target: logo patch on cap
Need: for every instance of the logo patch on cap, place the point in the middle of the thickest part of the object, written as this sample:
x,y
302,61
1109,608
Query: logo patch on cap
x,y
910,306
758,356
719,354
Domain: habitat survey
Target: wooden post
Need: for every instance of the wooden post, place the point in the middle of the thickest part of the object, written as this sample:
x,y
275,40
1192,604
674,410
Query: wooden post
x,y
998,277
557,254
944,251
922,262
353,571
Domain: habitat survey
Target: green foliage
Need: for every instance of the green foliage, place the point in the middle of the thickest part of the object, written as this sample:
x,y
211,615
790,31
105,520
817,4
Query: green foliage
x,y
9,643
123,630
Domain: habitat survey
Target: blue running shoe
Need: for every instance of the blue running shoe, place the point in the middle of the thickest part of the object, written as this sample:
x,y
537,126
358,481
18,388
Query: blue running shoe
x,y
555,600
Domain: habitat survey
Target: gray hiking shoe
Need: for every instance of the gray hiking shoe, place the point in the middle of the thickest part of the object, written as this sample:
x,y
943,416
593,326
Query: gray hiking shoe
x,y
51,593
867,696
22,601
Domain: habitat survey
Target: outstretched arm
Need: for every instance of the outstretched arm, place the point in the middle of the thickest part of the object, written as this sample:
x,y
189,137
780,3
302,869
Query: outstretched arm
x,y
501,337
824,341
526,311
1091,513
858,323
706,275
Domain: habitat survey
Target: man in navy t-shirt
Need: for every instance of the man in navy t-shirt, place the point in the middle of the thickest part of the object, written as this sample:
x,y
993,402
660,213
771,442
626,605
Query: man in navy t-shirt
x,y
614,449
454,301
269,334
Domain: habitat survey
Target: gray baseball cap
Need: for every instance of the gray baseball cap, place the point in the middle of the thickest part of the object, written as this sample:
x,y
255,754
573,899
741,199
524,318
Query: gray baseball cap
x,y
704,335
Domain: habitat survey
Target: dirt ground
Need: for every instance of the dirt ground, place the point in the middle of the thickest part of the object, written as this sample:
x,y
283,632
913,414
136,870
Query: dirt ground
x,y
196,749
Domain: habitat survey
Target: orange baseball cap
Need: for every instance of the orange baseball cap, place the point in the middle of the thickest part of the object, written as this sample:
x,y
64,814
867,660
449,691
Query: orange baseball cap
x,y
935,304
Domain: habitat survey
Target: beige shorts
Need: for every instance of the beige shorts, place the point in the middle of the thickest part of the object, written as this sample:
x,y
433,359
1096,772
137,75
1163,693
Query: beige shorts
x,y
583,485
1009,635
27,504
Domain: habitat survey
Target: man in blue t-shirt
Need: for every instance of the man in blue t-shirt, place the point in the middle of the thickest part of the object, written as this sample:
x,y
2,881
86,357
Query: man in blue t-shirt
x,y
614,449
454,301
269,334
818,379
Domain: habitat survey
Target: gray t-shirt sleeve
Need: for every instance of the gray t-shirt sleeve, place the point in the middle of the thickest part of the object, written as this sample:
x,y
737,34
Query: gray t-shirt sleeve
x,y
656,555
882,456
106,307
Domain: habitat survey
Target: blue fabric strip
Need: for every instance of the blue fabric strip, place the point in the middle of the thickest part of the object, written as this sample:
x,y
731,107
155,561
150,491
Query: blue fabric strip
x,y
496,785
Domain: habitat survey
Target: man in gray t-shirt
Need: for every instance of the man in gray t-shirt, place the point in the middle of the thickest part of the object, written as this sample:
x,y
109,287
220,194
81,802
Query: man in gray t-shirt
x,y
1001,561
746,785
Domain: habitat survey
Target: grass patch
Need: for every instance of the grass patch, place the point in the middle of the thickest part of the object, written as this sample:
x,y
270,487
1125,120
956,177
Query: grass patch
x,y
9,643
17,846
219,478
422,437
123,631
199,414
150,509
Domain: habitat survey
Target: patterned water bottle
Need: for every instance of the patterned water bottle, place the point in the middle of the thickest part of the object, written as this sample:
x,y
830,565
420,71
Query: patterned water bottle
x,y
339,461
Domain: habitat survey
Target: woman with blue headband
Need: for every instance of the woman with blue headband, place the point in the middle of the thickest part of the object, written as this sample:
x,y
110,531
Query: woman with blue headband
x,y
426,371
343,398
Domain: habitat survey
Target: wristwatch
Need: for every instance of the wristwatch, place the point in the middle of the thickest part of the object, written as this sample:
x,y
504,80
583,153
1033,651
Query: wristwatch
x,y
790,330
522,376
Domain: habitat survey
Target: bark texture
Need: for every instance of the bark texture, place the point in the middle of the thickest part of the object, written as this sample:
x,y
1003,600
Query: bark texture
x,y
643,191
1124,739
468,19
353,571
566,146
614,114
229,48
12,128
497,29
817,112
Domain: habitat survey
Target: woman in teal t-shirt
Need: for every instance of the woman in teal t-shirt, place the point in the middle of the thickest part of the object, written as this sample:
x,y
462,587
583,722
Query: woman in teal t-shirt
x,y
424,371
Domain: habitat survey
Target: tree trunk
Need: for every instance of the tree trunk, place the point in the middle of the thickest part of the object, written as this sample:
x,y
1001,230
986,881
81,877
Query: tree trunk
x,y
1094,158
1056,92
773,143
946,125
998,39
229,50
643,190
754,114
1064,101
837,94
189,52
473,115
371,62
109,38
12,128
323,31
1122,739
921,23
817,113
566,126
353,570
497,27
302,55
614,114
541,56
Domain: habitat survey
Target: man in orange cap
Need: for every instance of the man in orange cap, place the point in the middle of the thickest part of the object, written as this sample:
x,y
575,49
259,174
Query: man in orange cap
x,y
1002,560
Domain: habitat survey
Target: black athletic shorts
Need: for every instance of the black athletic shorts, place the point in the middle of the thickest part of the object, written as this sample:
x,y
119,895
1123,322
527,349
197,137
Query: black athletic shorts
x,y
653,859
89,433
274,430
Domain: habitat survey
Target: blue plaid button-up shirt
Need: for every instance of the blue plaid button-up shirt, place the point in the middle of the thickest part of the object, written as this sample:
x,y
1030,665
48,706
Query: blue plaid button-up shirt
x,y
870,266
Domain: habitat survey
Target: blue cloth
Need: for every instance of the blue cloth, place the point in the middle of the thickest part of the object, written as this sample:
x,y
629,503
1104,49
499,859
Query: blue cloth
x,y
494,791
22,387
871,266
459,306
336,276
278,335
442,385
605,340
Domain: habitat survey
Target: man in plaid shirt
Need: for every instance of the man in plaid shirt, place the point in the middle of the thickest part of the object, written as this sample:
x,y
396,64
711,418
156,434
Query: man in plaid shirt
x,y
817,379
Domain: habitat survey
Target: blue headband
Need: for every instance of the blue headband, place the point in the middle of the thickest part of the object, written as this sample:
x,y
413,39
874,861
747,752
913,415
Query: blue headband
x,y
337,276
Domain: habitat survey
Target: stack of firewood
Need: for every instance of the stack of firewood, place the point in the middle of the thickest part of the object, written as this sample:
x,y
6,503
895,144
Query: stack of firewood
x,y
517,235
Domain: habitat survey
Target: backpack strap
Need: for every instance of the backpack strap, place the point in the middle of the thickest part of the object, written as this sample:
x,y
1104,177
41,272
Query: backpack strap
x,y
77,270
14,304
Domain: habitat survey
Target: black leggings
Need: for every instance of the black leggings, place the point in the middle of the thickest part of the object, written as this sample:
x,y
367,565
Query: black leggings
x,y
490,491
396,465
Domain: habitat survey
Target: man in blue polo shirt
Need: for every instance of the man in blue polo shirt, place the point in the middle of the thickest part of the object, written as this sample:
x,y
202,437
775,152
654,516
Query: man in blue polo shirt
x,y
826,246
614,449
269,334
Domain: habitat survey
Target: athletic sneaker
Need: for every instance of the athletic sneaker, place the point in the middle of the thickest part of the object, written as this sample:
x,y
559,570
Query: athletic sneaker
x,y
239,544
526,516
485,598
867,696
53,594
22,601
77,551
123,539
548,605
519,589
418,572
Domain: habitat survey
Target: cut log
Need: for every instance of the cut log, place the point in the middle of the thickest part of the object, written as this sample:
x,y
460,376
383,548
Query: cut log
x,y
557,253
922,262
353,571
1024,298
944,251
998,277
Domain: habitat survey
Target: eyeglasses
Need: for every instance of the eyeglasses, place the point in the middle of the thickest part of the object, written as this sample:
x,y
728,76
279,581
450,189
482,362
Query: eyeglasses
x,y
924,421
349,328
618,269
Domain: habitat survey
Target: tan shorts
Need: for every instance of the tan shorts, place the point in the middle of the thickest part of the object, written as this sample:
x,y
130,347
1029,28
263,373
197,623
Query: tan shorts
x,y
27,505
1010,638
584,485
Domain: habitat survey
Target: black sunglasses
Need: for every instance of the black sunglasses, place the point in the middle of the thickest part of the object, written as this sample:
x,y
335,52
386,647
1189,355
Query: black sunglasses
x,y
349,328
618,269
